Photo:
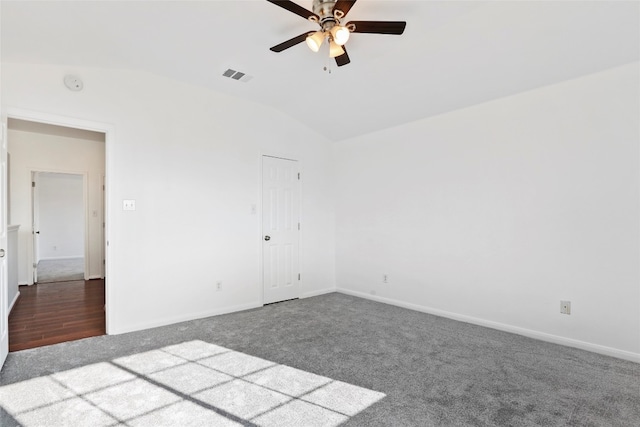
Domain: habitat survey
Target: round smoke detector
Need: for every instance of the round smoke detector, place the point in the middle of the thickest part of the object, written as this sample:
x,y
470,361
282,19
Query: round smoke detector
x,y
73,83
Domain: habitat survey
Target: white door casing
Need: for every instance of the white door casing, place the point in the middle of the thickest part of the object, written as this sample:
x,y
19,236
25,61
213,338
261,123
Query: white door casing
x,y
109,131
4,309
35,223
104,230
280,229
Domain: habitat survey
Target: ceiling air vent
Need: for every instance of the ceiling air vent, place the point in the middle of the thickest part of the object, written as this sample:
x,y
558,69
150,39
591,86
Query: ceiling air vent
x,y
237,75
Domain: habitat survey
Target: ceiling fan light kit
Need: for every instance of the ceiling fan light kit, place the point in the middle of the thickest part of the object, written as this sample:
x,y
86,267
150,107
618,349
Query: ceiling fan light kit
x,y
327,14
335,49
340,34
314,40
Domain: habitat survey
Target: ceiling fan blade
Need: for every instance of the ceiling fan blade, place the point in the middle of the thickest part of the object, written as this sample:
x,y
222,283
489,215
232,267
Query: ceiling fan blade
x,y
344,6
343,59
294,8
289,43
379,27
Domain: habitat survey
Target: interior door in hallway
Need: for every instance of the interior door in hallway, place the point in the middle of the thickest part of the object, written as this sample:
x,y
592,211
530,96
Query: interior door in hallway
x,y
280,229
4,309
35,222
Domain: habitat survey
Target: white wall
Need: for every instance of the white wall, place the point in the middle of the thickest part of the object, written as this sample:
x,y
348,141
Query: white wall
x,y
495,213
191,159
492,214
62,214
35,151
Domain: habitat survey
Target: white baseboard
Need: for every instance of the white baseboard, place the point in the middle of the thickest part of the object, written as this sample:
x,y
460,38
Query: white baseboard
x,y
94,276
569,342
183,318
13,302
318,292
56,258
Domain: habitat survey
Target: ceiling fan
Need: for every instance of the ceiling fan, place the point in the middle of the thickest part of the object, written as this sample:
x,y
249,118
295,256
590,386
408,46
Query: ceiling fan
x,y
328,14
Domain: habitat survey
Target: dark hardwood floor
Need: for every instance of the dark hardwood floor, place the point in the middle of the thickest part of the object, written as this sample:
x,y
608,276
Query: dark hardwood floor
x,y
51,313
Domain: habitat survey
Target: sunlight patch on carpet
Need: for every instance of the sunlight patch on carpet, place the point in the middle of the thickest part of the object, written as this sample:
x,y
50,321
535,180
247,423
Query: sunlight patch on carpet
x,y
190,384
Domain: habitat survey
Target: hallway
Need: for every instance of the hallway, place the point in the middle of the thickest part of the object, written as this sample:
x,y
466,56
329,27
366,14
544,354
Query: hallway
x,y
61,270
51,313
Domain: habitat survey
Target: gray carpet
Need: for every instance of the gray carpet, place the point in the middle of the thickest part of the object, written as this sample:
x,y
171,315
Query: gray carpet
x,y
60,270
429,371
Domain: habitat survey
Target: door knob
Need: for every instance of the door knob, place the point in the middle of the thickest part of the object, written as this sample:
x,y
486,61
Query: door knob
x,y
1,253
267,238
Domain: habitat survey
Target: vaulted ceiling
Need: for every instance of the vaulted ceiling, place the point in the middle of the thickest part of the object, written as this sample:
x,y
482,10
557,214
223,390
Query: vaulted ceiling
x,y
453,54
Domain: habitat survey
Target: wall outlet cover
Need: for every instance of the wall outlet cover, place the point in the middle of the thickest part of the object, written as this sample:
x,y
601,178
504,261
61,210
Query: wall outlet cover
x,y
129,205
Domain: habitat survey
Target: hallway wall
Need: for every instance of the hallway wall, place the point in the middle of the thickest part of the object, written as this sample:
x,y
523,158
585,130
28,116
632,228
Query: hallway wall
x,y
61,216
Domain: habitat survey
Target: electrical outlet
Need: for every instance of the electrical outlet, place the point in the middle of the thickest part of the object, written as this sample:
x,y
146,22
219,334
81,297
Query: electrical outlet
x,y
129,205
565,307
385,278
218,286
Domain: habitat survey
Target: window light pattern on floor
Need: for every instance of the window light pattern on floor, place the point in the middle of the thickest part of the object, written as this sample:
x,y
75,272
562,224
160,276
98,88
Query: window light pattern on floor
x,y
190,384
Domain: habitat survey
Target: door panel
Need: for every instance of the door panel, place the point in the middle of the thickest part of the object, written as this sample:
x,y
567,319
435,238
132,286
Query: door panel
x,y
280,219
4,303
35,220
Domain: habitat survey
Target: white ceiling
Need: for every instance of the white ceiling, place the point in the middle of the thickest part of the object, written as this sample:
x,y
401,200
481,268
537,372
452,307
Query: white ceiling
x,y
452,55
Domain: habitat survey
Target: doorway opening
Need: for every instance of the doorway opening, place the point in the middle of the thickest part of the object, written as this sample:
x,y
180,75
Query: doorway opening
x,y
58,218
57,198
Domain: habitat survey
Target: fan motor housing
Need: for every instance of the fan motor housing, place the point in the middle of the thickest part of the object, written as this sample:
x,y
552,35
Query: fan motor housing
x,y
324,9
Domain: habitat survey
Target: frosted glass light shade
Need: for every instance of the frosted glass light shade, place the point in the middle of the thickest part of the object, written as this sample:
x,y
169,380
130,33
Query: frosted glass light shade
x,y
314,41
335,49
340,34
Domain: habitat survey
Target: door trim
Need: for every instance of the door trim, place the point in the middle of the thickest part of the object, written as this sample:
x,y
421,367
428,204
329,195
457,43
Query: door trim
x,y
109,144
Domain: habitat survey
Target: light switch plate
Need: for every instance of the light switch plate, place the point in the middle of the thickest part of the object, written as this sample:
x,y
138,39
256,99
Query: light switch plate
x,y
129,205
